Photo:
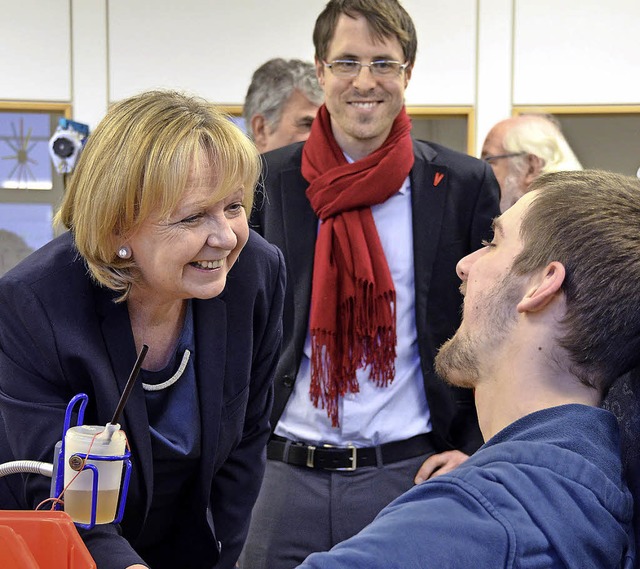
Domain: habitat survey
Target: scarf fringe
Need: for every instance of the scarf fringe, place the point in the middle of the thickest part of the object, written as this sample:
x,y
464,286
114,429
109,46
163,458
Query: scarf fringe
x,y
352,316
363,342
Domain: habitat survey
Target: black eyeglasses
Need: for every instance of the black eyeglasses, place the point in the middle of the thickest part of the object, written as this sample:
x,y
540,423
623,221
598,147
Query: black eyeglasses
x,y
351,68
489,158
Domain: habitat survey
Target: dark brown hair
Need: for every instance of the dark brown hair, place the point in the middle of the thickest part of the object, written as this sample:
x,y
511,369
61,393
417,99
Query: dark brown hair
x,y
386,19
590,222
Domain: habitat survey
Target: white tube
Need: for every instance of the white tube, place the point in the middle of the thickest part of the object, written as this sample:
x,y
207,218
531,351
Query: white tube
x,y
26,466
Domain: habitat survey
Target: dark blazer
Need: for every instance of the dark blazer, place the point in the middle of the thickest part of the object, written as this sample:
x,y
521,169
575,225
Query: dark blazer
x,y
61,334
451,216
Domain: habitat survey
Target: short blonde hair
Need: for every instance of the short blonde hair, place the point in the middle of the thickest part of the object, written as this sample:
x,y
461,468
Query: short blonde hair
x,y
138,161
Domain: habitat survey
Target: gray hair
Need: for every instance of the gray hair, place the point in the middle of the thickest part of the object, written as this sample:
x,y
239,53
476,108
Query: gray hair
x,y
541,136
273,83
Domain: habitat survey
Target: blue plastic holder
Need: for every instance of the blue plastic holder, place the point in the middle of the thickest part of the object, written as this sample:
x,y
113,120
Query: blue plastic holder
x,y
79,127
125,458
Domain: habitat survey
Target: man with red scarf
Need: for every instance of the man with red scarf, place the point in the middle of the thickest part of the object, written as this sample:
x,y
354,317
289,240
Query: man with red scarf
x,y
371,223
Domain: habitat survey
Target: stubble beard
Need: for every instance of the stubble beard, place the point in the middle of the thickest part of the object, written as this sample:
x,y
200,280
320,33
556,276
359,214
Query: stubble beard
x,y
459,360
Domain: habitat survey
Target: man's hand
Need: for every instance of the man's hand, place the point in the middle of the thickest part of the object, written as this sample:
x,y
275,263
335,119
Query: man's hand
x,y
438,464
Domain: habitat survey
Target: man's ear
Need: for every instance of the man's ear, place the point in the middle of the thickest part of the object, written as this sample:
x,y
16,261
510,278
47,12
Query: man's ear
x,y
534,168
259,131
319,71
407,75
543,291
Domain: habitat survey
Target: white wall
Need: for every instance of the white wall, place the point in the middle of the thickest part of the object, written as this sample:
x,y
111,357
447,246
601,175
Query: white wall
x,y
35,50
569,53
213,50
210,47
490,54
90,64
494,65
444,73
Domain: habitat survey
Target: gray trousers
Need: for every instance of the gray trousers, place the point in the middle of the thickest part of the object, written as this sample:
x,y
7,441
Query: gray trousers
x,y
302,510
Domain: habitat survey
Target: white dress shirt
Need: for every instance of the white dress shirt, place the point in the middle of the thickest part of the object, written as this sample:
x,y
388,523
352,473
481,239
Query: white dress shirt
x,y
375,415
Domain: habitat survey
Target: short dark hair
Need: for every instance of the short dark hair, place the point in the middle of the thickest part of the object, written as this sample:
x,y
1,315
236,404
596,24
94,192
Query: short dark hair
x,y
386,19
590,222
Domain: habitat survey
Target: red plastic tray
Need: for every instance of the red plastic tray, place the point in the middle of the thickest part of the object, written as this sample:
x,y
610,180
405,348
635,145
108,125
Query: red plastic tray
x,y
42,539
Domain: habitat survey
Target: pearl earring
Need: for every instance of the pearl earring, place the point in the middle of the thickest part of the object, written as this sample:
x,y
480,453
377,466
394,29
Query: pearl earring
x,y
124,252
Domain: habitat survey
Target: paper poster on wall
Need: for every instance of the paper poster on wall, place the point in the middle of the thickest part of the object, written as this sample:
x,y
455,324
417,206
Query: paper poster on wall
x,y
24,153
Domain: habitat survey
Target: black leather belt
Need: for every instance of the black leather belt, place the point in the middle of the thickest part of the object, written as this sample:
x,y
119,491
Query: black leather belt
x,y
330,457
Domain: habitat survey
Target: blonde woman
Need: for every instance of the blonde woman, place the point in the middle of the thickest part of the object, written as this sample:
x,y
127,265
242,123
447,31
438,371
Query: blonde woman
x,y
157,216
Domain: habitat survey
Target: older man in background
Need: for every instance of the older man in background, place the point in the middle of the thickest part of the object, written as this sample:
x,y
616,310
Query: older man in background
x,y
521,148
281,103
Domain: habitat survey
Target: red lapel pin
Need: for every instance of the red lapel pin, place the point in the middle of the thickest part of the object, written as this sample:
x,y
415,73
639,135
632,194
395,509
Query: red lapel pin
x,y
438,178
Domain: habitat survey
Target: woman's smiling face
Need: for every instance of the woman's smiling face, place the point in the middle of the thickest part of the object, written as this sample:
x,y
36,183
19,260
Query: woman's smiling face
x,y
190,254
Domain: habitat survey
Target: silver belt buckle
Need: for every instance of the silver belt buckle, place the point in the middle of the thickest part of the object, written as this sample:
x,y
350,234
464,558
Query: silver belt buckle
x,y
311,450
353,458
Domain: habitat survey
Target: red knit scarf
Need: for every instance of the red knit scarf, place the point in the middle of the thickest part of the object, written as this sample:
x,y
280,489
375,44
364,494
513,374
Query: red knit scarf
x,y
352,320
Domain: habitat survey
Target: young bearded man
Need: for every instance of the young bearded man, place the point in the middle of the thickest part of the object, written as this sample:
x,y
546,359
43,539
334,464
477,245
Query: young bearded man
x,y
371,223
551,318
